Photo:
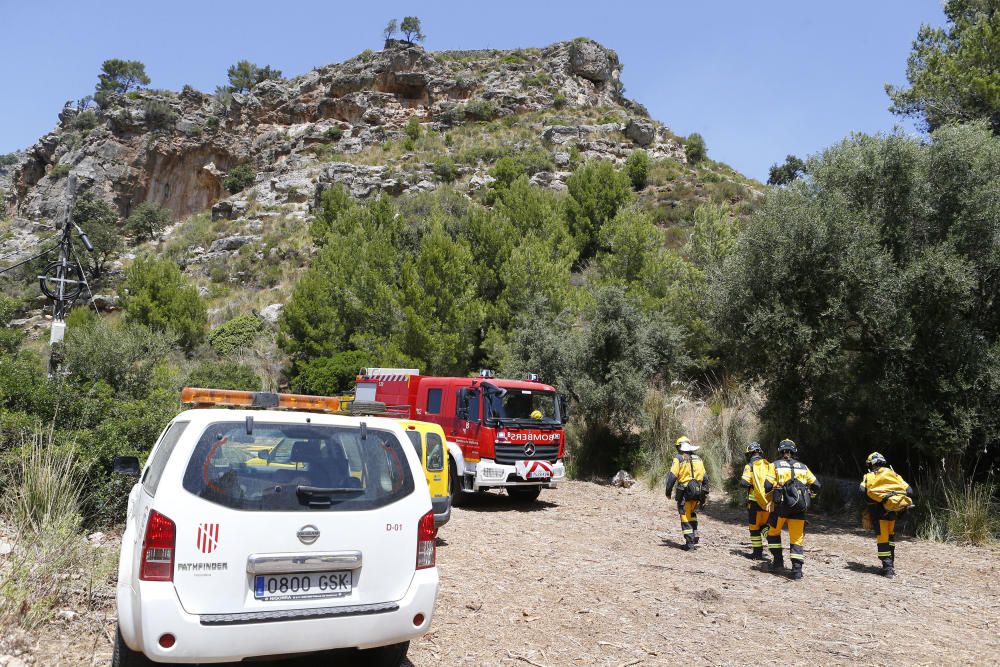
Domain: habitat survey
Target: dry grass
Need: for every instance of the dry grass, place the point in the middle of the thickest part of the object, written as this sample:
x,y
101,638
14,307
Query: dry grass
x,y
965,513
722,421
51,561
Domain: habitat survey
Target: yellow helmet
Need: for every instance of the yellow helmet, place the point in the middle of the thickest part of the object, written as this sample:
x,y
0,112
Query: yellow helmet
x,y
536,414
876,460
685,445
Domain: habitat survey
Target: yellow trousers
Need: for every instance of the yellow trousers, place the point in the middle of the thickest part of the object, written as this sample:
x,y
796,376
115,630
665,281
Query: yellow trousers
x,y
796,534
886,538
757,518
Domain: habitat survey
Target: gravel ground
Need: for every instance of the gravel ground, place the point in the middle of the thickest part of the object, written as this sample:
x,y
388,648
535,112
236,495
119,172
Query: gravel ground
x,y
593,575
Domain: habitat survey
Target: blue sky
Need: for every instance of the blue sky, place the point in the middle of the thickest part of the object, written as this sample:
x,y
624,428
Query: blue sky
x,y
758,80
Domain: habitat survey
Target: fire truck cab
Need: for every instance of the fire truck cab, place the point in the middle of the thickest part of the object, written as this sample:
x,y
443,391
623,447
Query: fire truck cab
x,y
501,433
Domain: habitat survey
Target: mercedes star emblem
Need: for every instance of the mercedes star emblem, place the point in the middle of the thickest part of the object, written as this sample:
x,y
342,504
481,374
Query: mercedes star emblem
x,y
308,534
529,449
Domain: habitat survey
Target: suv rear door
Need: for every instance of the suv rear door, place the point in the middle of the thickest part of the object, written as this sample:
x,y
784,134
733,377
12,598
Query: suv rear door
x,y
237,522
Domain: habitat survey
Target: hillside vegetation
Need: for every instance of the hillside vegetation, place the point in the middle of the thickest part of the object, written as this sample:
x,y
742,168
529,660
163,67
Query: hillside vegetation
x,y
512,209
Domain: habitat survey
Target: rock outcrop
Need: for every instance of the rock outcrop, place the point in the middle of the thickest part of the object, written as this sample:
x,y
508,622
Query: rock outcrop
x,y
175,149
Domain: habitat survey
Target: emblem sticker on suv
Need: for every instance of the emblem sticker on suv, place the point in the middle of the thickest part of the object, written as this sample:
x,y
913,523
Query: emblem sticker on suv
x,y
308,534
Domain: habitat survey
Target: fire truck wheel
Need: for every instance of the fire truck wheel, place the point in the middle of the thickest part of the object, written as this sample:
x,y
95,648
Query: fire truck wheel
x,y
455,487
524,494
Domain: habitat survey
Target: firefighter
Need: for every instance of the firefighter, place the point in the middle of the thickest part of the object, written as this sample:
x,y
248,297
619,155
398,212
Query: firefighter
x,y
793,485
759,503
688,473
887,494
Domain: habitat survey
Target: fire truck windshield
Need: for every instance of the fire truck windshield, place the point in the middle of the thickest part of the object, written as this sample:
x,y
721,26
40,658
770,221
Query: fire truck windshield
x,y
526,406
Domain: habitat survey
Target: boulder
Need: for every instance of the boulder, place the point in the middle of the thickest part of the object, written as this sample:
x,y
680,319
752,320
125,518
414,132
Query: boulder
x,y
222,210
272,312
105,302
590,60
230,243
560,134
641,131
622,479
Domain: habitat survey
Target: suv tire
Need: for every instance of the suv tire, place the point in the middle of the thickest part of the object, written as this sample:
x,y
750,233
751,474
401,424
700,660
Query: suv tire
x,y
384,656
126,657
524,494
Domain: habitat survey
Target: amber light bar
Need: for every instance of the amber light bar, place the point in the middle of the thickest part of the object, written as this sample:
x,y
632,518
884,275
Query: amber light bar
x,y
258,399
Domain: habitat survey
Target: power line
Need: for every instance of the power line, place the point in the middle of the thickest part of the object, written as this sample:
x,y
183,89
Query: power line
x,y
32,258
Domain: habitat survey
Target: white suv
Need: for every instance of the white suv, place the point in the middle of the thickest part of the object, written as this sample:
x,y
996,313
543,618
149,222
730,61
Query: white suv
x,y
258,533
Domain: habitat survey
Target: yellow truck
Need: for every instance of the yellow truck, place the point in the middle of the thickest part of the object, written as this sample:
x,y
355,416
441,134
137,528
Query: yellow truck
x,y
429,441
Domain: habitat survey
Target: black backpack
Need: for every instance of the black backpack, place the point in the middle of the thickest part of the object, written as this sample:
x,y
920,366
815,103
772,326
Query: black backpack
x,y
693,490
795,497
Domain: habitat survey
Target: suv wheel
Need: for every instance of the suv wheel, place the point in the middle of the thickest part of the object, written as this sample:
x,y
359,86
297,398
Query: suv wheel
x,y
384,656
126,657
524,494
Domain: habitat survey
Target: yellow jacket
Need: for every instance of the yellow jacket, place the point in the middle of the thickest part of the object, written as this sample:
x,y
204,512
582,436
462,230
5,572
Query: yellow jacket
x,y
754,483
684,468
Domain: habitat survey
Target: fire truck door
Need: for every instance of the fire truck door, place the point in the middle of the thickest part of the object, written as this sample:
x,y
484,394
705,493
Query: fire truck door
x,y
465,425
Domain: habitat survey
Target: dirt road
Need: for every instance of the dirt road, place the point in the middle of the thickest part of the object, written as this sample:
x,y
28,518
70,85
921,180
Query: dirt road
x,y
592,575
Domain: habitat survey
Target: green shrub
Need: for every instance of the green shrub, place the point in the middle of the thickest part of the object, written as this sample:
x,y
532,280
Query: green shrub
x,y
155,294
237,334
536,80
147,221
481,110
120,356
159,115
333,201
85,120
695,149
329,376
10,337
224,375
8,159
413,129
60,170
597,191
559,100
334,133
444,168
213,123
637,168
239,178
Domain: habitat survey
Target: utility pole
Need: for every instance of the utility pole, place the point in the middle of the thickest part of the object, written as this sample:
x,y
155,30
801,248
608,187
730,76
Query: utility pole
x,y
62,280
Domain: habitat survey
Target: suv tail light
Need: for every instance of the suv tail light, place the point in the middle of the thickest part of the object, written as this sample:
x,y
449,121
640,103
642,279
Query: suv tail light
x,y
158,549
425,541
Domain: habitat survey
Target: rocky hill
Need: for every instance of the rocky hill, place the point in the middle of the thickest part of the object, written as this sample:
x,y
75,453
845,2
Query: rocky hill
x,y
174,148
401,120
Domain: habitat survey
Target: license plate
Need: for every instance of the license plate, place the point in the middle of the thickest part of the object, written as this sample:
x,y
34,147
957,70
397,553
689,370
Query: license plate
x,y
307,586
539,474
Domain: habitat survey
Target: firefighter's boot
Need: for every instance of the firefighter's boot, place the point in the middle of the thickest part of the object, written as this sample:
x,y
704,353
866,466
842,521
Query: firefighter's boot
x,y
888,568
796,569
757,554
777,561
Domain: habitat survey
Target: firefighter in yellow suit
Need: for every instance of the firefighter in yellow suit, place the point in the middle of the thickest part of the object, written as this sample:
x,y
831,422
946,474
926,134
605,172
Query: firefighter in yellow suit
x,y
759,503
880,478
688,473
785,469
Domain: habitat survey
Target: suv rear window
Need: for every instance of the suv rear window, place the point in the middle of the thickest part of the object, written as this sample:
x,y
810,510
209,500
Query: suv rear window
x,y
288,467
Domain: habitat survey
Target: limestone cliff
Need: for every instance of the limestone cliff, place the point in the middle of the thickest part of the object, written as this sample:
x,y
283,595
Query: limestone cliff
x,y
175,148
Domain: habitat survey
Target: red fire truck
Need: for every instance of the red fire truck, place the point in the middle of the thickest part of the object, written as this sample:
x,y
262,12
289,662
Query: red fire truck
x,y
501,433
